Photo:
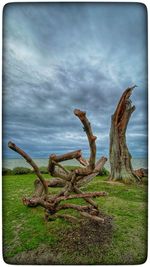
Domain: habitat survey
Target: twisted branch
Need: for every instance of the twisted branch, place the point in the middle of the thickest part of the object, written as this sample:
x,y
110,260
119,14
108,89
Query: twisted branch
x,y
91,139
31,162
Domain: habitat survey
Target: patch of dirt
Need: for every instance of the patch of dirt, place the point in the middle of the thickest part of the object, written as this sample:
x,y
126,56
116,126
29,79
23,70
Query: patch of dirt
x,y
83,237
88,233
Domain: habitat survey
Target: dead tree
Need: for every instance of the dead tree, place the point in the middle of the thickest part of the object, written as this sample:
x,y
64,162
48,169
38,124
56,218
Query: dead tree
x,y
71,181
119,155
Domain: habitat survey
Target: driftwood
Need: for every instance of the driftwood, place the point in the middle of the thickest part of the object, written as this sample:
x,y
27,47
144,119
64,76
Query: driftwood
x,y
119,156
70,180
141,172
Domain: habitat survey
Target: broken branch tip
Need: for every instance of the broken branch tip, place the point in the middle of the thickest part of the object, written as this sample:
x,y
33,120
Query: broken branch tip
x,y
79,112
10,144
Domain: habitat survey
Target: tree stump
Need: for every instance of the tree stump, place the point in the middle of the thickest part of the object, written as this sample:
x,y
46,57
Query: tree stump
x,y
119,155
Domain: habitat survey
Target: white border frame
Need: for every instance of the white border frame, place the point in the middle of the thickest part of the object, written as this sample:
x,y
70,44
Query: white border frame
x,y
2,4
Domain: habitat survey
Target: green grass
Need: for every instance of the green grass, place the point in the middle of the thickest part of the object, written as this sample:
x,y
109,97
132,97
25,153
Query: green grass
x,y
24,228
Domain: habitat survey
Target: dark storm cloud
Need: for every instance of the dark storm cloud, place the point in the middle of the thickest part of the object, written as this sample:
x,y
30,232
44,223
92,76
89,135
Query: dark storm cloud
x,y
58,57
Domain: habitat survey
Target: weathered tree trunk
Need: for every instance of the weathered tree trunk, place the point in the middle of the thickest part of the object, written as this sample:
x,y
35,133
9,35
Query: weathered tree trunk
x,y
119,156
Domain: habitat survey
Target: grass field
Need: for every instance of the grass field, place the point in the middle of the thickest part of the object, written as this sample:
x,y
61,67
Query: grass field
x,y
28,239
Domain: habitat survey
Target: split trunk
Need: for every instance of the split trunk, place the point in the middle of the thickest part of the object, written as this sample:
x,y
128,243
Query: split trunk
x,y
119,155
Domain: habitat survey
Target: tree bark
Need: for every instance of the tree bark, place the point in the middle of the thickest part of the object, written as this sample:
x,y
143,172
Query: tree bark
x,y
119,155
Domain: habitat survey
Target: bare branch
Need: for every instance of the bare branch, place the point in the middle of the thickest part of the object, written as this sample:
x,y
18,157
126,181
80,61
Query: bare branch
x,y
81,195
71,155
92,217
91,138
88,200
31,162
100,164
57,173
54,161
73,206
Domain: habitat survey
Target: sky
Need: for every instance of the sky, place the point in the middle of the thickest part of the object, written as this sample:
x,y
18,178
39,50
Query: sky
x,y
62,56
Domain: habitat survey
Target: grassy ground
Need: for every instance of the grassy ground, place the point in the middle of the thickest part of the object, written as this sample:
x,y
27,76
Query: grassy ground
x,y
28,239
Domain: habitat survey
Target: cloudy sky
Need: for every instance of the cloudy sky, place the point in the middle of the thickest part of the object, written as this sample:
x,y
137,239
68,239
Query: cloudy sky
x,y
61,56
